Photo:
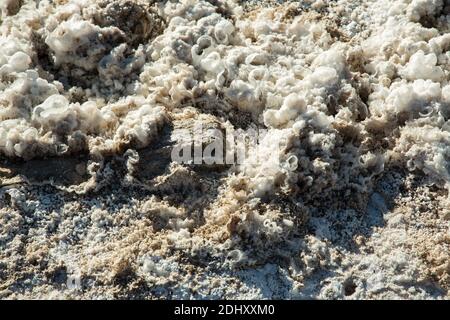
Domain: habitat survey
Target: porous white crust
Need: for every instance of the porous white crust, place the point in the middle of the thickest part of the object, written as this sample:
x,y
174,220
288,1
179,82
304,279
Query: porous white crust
x,y
350,92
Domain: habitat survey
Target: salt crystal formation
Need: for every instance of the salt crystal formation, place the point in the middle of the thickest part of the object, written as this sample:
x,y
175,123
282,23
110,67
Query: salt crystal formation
x,y
354,95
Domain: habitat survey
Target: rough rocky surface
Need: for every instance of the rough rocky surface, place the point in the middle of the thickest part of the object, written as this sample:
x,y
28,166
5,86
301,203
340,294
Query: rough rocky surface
x,y
347,196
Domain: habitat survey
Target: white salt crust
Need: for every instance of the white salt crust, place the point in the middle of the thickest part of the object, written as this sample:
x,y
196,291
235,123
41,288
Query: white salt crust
x,y
284,73
337,112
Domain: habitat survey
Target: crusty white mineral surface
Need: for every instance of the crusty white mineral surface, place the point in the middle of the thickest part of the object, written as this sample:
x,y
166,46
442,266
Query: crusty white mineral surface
x,y
347,196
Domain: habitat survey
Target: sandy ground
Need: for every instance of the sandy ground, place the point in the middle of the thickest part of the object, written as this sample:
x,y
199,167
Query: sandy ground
x,y
108,244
